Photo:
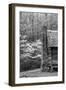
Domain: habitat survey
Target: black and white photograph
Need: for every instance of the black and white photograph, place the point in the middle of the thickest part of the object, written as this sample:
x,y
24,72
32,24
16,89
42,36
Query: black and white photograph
x,y
38,44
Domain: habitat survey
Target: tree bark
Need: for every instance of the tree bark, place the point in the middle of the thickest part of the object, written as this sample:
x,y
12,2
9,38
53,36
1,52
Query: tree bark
x,y
44,49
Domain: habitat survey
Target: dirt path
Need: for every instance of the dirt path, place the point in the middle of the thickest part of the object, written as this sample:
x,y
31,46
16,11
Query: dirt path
x,y
37,73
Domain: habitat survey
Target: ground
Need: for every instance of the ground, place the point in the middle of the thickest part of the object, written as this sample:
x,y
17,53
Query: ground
x,y
37,73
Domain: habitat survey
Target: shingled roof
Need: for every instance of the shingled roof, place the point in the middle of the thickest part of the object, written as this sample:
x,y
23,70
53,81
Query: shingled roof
x,y
52,38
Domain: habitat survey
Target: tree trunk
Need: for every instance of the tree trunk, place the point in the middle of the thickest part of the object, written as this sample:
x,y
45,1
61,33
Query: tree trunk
x,y
44,49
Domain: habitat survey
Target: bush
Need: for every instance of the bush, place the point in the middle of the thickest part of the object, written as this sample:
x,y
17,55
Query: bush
x,y
29,64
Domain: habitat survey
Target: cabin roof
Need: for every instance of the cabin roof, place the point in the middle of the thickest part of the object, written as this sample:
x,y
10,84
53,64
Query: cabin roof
x,y
52,38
